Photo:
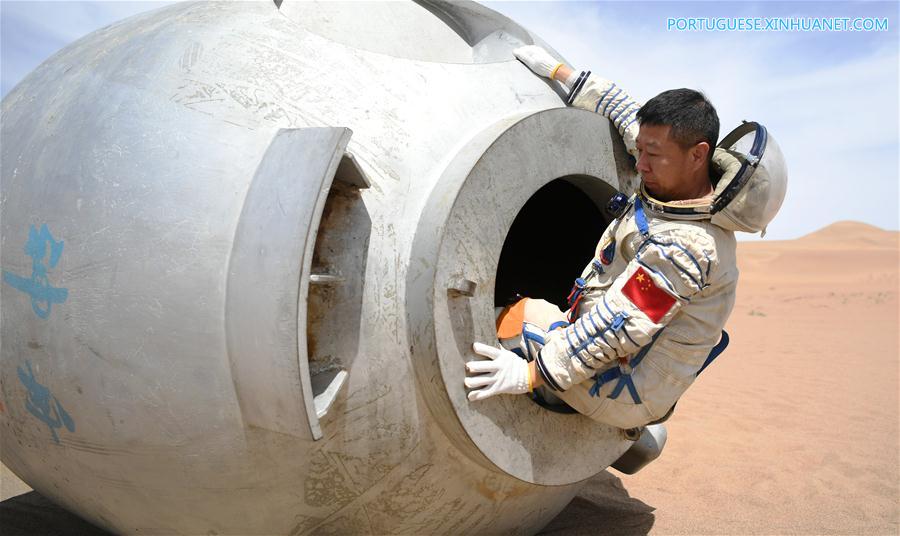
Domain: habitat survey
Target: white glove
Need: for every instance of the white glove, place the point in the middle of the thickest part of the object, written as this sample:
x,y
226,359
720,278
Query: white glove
x,y
537,59
506,373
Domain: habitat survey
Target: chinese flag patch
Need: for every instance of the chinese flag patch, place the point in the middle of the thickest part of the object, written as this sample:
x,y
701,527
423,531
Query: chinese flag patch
x,y
643,292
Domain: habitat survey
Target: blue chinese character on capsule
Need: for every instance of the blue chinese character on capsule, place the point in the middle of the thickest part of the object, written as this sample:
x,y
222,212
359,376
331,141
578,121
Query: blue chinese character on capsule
x,y
43,295
44,405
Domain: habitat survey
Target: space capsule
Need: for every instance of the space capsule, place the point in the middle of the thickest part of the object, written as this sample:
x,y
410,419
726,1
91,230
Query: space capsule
x,y
246,248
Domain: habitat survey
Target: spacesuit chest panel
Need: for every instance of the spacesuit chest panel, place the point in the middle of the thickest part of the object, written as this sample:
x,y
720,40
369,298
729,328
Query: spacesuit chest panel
x,y
614,251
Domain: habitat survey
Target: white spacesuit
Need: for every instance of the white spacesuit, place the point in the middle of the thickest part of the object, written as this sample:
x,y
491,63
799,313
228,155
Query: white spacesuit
x,y
647,313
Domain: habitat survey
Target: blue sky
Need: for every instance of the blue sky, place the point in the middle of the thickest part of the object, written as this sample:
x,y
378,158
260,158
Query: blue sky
x,y
829,98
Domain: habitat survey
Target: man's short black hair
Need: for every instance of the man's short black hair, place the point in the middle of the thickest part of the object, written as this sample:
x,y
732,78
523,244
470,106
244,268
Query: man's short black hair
x,y
690,114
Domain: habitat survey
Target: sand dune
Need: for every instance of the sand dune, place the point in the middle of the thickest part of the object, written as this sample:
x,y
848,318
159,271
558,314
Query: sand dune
x,y
793,430
848,232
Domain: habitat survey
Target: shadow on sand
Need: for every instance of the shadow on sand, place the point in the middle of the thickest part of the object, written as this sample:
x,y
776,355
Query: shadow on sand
x,y
30,513
602,508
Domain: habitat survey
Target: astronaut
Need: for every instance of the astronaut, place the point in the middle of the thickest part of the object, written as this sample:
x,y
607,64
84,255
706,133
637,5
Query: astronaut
x,y
646,315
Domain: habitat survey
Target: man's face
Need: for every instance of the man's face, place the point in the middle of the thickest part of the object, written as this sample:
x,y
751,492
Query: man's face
x,y
665,166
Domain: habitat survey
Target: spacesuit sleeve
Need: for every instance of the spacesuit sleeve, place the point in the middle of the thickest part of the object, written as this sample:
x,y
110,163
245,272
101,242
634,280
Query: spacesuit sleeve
x,y
668,269
599,95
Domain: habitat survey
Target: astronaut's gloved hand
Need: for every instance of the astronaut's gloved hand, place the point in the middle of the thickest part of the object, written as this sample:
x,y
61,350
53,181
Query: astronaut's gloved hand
x,y
542,63
537,59
505,373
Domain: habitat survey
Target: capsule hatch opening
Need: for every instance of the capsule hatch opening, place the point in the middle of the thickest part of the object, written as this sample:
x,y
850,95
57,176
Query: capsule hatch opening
x,y
551,240
553,237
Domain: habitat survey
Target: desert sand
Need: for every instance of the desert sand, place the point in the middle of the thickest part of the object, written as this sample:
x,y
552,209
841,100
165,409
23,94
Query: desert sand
x,y
795,429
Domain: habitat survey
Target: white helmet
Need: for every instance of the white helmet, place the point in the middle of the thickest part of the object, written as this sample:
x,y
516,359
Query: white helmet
x,y
751,187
